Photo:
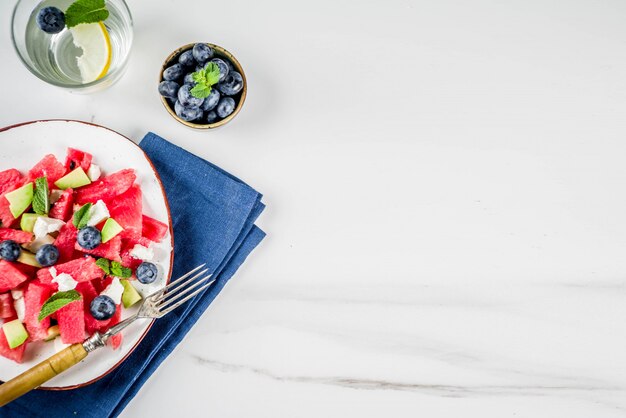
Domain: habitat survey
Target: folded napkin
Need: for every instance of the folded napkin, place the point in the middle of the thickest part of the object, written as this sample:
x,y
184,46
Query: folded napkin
x,y
210,209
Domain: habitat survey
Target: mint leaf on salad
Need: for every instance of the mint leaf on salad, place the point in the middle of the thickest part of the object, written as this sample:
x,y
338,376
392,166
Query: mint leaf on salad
x,y
205,78
41,201
104,264
81,217
56,302
120,271
85,11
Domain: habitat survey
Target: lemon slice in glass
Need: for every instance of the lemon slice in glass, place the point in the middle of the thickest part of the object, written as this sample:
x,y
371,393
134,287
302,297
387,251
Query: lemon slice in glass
x,y
93,39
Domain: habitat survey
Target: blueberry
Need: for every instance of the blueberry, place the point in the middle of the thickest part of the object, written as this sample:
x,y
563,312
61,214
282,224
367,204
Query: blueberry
x,y
211,101
231,84
211,117
102,307
187,113
51,20
146,272
199,67
186,59
202,53
222,66
10,250
231,67
168,89
225,107
188,79
89,237
173,72
47,255
185,97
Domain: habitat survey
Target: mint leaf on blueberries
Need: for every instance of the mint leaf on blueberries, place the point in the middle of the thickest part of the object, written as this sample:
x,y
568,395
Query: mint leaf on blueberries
x,y
104,264
85,11
81,216
56,302
120,271
205,78
41,202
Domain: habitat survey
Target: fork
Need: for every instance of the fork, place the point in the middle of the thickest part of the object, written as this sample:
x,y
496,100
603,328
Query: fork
x,y
154,306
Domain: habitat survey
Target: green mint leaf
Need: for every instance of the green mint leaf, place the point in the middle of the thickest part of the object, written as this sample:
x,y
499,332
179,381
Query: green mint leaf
x,y
81,216
41,203
200,91
205,78
199,76
85,11
212,73
56,302
120,271
104,264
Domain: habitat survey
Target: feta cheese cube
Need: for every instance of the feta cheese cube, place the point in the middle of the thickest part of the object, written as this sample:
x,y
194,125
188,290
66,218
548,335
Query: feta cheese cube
x,y
20,308
44,226
142,253
63,280
114,291
55,195
97,213
94,172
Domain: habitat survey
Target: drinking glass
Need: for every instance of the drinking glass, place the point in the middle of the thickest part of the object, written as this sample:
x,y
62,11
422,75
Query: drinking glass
x,y
52,58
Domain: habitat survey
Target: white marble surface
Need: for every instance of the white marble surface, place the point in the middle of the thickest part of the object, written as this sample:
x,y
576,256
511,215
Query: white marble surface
x,y
446,198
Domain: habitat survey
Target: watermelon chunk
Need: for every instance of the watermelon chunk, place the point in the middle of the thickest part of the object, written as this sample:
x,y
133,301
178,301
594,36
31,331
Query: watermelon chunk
x,y
21,237
6,217
10,276
65,242
16,354
62,208
89,292
110,249
116,340
106,188
71,319
77,158
34,297
7,310
152,229
81,269
50,167
126,210
9,180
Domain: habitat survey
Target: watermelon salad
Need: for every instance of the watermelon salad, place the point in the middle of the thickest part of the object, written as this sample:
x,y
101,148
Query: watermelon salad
x,y
73,244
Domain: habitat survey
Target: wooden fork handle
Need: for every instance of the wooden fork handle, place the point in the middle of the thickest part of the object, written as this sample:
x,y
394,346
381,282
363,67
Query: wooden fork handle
x,y
41,373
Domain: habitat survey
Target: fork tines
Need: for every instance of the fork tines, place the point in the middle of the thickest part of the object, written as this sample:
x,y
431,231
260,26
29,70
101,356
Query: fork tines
x,y
182,289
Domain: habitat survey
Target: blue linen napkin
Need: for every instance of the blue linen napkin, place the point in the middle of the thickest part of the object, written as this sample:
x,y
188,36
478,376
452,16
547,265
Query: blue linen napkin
x,y
210,209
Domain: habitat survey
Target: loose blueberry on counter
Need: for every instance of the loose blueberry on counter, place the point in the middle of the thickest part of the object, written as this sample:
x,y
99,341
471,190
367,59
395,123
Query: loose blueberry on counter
x,y
211,117
89,237
185,97
173,72
47,255
146,272
51,20
102,307
168,89
10,250
222,66
187,59
188,79
225,107
231,84
187,113
202,53
211,100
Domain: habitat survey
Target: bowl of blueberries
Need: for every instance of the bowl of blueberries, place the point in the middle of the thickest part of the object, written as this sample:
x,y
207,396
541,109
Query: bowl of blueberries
x,y
202,85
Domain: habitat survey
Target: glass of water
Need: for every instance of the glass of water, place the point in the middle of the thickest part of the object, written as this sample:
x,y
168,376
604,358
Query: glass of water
x,y
54,58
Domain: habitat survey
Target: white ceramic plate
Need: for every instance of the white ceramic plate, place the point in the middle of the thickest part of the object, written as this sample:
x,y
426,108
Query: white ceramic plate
x,y
21,147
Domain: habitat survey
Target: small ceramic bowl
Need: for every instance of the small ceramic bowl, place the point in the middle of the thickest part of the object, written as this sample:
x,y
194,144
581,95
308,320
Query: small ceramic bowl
x,y
240,97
